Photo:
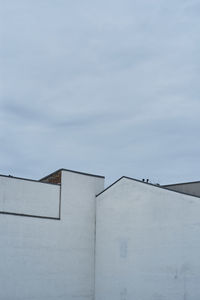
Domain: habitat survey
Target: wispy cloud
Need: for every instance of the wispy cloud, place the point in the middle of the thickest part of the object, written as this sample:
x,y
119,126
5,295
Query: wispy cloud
x,y
109,87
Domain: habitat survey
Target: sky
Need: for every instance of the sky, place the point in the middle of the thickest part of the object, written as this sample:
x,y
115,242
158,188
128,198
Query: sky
x,y
106,87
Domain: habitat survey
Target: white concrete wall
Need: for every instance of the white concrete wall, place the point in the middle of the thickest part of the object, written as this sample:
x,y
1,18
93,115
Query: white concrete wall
x,y
78,214
29,197
44,259
148,244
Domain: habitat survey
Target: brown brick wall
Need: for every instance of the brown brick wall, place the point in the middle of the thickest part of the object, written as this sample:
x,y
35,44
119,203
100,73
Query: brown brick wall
x,y
54,178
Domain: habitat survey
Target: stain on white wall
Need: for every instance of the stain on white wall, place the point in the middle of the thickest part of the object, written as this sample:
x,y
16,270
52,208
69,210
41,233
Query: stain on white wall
x,y
147,243
43,259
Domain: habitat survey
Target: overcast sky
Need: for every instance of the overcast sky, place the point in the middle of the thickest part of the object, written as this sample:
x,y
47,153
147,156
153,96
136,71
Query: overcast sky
x,y
105,87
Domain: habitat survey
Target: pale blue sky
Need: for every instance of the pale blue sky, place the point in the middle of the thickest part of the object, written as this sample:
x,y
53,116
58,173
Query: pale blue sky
x,y
107,87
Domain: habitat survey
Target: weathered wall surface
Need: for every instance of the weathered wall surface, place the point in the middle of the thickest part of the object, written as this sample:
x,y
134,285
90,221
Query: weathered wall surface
x,y
52,259
192,188
78,214
29,197
147,244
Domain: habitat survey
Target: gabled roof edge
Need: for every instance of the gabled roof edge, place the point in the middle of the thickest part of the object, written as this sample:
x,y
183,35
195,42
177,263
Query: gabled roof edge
x,y
72,171
147,183
27,179
110,186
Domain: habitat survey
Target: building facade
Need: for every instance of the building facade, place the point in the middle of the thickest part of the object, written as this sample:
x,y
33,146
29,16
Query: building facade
x,y
66,237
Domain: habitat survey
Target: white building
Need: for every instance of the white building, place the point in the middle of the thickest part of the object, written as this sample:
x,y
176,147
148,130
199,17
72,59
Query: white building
x,y
66,238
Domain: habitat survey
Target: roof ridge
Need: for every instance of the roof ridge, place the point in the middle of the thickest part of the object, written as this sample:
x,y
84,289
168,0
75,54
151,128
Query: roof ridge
x,y
147,183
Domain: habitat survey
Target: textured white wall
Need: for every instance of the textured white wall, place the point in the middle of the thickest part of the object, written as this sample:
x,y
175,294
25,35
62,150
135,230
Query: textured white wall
x,y
44,259
29,197
78,214
148,244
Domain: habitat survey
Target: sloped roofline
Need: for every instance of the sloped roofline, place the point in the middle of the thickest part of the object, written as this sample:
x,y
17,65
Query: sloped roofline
x,y
143,182
180,183
72,171
40,180
26,179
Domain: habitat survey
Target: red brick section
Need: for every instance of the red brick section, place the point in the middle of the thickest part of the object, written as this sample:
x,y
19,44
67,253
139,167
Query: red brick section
x,y
54,178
